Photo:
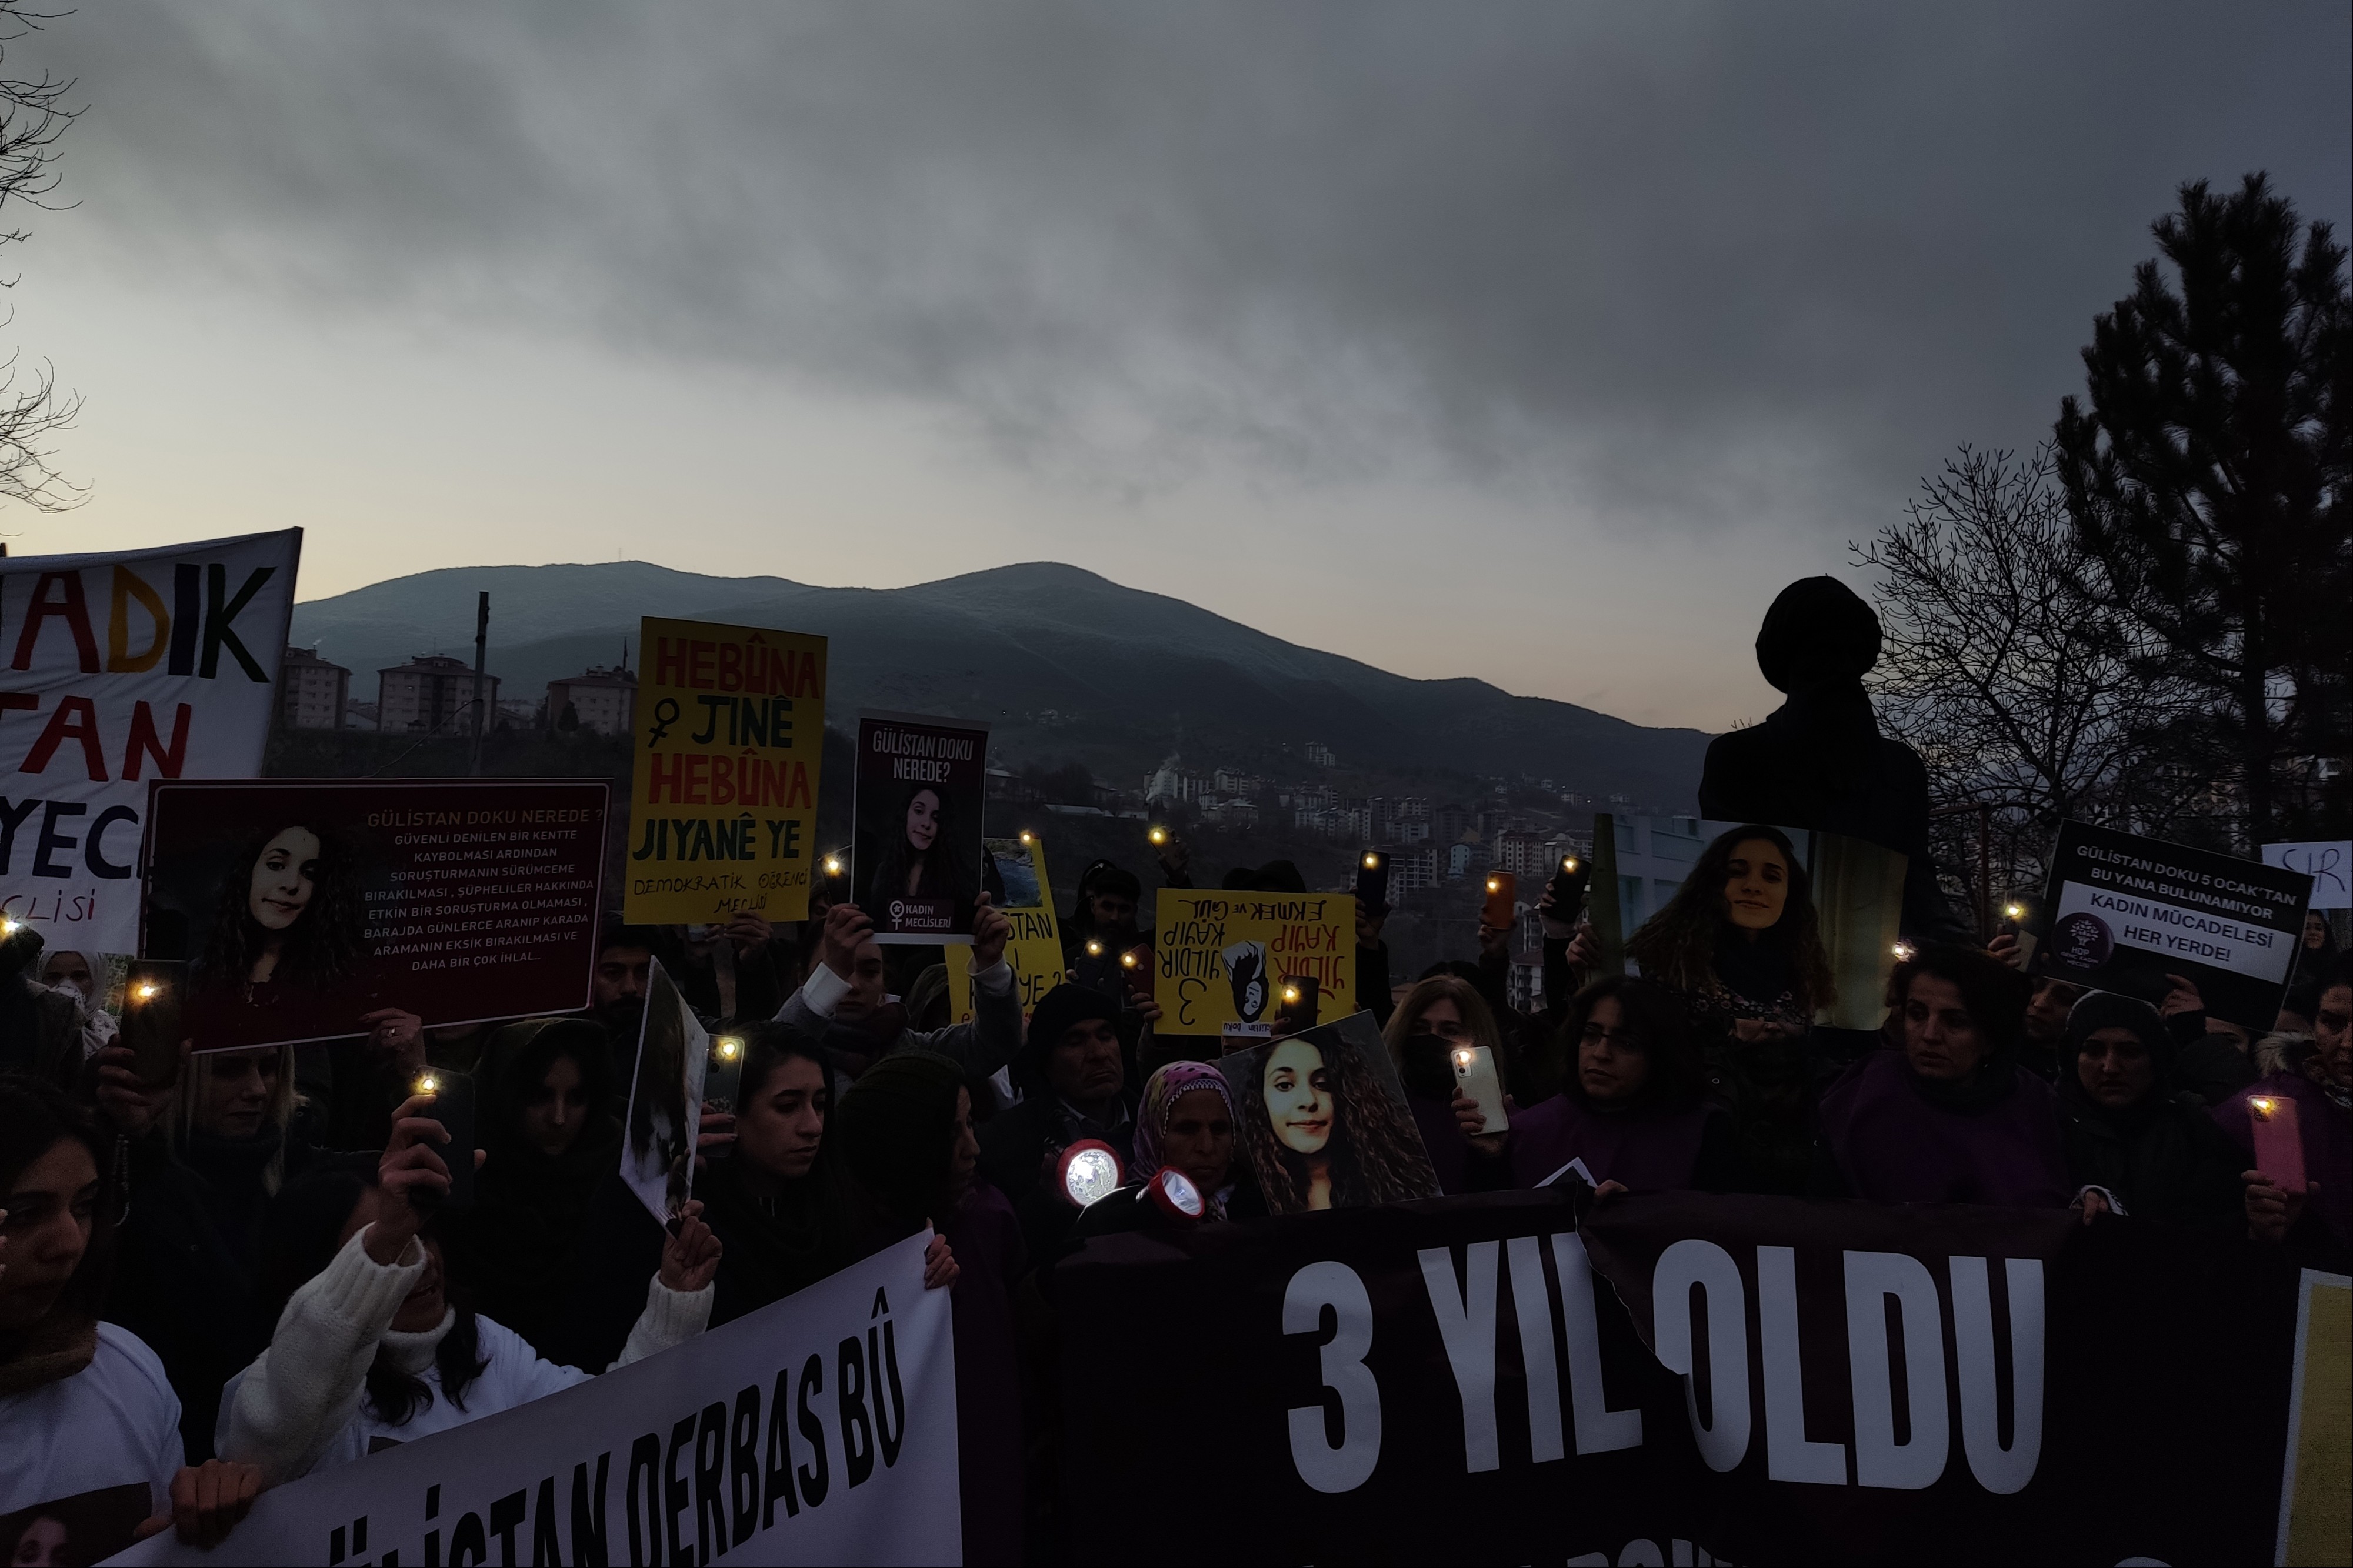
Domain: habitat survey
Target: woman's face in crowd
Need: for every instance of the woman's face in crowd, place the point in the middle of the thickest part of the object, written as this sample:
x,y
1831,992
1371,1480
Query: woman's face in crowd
x,y
2046,1015
2332,1036
51,1206
1444,1019
1755,884
2115,1067
45,1544
425,1304
923,819
1940,1039
69,968
2316,930
558,1108
234,1090
282,879
964,1152
1199,1138
1611,1066
1299,1096
778,1129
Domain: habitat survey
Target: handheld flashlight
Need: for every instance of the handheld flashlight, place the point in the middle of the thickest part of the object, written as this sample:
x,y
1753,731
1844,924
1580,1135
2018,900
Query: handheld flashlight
x,y
1089,1171
1173,1194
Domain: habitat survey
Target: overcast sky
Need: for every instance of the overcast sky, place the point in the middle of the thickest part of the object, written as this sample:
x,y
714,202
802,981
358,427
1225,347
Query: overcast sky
x,y
1538,342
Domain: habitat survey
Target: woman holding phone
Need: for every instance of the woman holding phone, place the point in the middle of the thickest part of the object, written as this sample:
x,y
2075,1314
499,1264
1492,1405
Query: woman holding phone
x,y
1439,1016
1631,1112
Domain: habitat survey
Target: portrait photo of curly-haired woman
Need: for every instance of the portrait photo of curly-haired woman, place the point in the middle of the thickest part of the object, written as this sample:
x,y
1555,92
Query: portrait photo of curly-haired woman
x,y
1324,1121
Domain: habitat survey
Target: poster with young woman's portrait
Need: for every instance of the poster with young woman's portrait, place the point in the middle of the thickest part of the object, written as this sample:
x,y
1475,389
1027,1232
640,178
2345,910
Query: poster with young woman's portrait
x,y
1763,927
302,906
916,861
1324,1121
67,1533
665,1099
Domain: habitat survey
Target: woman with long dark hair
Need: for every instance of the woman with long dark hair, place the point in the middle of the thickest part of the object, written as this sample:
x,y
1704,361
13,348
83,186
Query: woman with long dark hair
x,y
1740,944
1631,1112
289,916
374,1344
1324,1133
1442,1014
919,854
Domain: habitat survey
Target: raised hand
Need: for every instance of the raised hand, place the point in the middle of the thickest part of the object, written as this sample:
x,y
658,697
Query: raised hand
x,y
690,1258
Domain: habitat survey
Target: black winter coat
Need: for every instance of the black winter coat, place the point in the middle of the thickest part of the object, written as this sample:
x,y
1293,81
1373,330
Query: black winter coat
x,y
2166,1161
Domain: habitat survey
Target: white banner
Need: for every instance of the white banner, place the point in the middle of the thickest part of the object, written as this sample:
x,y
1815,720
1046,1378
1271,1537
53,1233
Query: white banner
x,y
821,1430
123,669
2327,861
2175,932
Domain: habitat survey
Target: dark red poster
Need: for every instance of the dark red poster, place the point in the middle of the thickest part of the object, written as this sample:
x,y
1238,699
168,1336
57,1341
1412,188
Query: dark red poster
x,y
300,905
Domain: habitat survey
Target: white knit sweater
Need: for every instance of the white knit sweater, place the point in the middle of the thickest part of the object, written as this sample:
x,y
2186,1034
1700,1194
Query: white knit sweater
x,y
300,1405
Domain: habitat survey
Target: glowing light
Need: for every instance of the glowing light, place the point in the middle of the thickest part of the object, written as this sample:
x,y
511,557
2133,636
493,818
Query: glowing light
x,y
1028,836
146,991
1130,960
1158,835
2260,1105
730,1047
1568,864
1495,886
1094,948
833,865
2014,911
1291,993
1089,1174
1372,861
8,928
1903,951
427,1084
1462,1059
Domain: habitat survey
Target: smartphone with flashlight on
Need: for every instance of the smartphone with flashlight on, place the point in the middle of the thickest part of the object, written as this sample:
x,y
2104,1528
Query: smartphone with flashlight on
x,y
1503,900
153,990
2279,1140
1475,1078
1135,970
833,876
1372,881
722,1080
1300,996
452,1106
1097,968
1570,879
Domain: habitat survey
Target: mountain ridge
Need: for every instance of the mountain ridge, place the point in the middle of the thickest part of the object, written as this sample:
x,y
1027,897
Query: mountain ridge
x,y
1062,661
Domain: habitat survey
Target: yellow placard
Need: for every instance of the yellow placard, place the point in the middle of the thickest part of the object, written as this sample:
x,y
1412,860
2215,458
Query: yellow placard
x,y
722,798
1035,949
1221,958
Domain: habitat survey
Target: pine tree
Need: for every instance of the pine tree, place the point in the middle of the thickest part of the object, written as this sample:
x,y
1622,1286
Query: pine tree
x,y
2209,476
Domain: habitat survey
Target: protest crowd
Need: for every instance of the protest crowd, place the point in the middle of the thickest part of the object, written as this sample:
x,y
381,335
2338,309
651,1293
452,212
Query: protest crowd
x,y
266,1267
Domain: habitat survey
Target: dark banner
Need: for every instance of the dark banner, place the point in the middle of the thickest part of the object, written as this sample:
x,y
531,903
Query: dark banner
x,y
302,906
2122,912
1472,1380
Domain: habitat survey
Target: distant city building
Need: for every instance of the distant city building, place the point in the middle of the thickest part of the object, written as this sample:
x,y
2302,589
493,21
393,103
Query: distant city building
x,y
1466,860
602,700
1234,782
1319,755
1412,870
1524,984
435,694
1450,822
1523,854
311,692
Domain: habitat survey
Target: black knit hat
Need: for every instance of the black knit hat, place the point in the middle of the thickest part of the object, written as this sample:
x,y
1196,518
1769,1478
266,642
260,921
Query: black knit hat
x,y
1818,630
1059,1010
893,1126
2098,1010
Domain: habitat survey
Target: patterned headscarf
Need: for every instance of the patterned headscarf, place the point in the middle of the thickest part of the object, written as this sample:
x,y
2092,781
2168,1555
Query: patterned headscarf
x,y
1161,1091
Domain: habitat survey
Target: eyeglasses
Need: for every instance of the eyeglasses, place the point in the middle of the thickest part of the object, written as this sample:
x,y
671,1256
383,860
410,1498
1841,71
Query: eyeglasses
x,y
1620,1039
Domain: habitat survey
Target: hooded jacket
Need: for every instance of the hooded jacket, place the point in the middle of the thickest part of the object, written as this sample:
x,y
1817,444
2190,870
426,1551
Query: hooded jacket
x,y
2162,1157
1818,761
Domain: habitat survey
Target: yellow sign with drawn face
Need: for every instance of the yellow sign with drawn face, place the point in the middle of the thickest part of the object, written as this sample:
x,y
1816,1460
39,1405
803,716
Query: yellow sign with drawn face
x,y
723,801
1224,958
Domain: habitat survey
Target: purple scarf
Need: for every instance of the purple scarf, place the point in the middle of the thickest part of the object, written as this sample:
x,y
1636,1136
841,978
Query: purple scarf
x,y
1893,1146
1161,1091
1648,1151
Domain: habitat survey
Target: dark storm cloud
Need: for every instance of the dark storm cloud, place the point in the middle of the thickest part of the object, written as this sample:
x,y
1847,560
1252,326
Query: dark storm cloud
x,y
1690,265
